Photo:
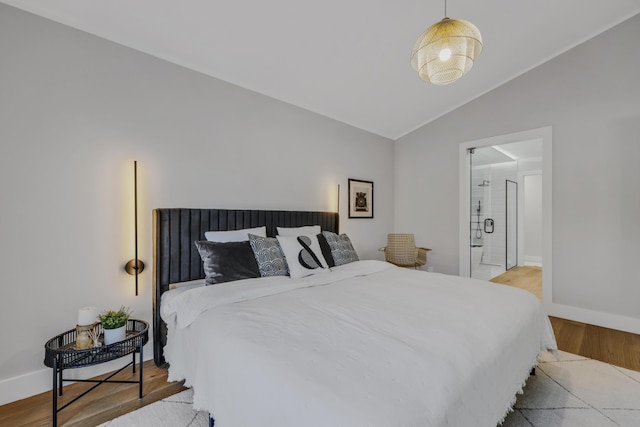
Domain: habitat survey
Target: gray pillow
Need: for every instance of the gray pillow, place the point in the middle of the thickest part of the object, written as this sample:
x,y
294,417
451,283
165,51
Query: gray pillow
x,y
269,256
228,261
342,250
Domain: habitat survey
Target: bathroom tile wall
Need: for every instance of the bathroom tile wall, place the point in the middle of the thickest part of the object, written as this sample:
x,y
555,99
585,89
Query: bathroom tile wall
x,y
495,243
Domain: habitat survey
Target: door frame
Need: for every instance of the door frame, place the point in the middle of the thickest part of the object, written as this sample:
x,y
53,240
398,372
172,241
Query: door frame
x,y
545,135
518,221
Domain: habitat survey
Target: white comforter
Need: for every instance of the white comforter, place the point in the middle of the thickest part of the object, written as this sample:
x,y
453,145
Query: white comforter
x,y
368,344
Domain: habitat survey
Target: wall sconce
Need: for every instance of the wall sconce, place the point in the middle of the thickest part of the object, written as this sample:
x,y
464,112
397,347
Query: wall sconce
x,y
338,209
135,266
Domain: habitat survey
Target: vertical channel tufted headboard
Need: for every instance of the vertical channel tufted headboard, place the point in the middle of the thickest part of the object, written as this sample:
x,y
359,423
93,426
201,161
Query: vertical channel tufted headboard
x,y
176,259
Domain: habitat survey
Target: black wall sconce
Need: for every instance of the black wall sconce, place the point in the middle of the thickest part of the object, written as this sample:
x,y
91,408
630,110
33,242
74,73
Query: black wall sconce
x,y
135,266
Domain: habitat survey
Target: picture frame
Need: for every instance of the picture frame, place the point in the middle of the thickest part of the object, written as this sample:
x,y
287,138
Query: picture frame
x,y
360,198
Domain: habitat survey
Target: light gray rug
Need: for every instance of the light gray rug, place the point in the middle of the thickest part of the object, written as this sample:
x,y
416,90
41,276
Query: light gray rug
x,y
571,392
578,392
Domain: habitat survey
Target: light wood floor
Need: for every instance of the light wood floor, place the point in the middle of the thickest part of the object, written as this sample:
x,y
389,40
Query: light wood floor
x,y
112,400
527,278
106,402
608,345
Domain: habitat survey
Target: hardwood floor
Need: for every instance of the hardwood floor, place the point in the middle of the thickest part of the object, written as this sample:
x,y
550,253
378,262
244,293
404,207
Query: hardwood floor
x,y
106,402
527,278
608,345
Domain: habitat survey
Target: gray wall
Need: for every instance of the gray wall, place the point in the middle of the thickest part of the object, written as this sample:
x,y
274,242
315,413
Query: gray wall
x,y
590,95
75,111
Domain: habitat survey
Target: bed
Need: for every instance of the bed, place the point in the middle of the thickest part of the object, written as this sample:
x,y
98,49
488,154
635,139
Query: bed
x,y
364,344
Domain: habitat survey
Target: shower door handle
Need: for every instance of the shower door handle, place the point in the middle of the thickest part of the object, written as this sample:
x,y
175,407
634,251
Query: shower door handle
x,y
488,226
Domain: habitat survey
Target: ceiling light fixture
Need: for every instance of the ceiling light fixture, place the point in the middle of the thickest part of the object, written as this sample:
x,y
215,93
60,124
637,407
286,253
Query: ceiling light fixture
x,y
446,51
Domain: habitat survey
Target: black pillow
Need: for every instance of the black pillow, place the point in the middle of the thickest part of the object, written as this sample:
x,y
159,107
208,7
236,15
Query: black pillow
x,y
227,261
326,250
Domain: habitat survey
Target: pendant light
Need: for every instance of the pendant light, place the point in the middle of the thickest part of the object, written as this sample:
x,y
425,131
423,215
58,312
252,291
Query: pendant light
x,y
446,51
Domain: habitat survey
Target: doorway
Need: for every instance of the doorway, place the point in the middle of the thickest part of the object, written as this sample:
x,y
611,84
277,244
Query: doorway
x,y
494,232
494,212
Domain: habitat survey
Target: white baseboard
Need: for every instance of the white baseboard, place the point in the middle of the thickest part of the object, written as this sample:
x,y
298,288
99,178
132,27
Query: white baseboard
x,y
533,264
598,318
535,261
40,381
25,385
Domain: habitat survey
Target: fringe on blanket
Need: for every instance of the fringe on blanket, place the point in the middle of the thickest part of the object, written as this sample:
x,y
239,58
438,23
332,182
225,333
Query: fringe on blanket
x,y
520,388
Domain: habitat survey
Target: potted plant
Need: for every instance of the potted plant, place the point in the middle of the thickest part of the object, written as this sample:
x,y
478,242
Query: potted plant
x,y
114,324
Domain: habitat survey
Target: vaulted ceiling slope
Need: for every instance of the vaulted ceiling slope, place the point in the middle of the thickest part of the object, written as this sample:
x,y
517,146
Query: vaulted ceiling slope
x,y
345,59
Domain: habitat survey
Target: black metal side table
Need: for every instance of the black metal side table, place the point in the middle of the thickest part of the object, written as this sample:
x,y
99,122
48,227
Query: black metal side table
x,y
61,354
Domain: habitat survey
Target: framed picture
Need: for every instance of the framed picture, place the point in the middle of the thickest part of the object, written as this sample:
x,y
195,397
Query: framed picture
x,y
360,199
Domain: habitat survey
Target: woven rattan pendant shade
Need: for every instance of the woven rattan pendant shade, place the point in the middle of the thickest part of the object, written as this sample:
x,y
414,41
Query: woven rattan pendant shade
x,y
446,51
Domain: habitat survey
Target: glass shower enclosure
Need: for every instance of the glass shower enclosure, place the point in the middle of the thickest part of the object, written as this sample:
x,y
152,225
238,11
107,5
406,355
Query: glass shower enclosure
x,y
493,229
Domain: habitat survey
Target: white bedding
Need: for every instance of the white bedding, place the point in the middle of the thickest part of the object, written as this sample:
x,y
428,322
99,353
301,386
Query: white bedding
x,y
369,344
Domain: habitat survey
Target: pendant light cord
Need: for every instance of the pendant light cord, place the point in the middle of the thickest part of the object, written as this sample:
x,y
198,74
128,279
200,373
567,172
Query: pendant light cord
x,y
445,8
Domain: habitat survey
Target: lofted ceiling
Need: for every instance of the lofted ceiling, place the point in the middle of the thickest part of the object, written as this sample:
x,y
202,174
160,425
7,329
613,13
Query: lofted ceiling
x,y
345,59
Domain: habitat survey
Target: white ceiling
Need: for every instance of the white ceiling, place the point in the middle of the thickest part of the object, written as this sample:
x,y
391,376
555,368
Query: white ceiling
x,y
345,59
528,150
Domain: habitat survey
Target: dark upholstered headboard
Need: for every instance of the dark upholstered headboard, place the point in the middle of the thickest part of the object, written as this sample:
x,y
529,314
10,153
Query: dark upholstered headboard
x,y
176,259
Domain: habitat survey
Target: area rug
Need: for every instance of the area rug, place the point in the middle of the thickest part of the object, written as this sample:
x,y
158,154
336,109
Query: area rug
x,y
573,391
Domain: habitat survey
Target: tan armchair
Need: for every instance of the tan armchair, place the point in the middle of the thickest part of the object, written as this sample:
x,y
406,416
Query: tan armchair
x,y
401,250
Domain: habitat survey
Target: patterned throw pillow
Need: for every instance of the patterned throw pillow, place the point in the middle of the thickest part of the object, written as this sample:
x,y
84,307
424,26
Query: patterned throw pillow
x,y
269,256
303,255
342,250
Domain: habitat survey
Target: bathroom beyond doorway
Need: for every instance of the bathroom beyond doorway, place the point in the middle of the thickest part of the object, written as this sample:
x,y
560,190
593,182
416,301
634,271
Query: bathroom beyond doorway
x,y
493,247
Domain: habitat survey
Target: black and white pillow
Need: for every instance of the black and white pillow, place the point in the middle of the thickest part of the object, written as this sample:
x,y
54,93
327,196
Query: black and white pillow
x,y
228,261
342,250
269,256
303,254
326,250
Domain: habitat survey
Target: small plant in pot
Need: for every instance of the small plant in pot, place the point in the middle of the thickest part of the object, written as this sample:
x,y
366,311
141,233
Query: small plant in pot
x,y
114,324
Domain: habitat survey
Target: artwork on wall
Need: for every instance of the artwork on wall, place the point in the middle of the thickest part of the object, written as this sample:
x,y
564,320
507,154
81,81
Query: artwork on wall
x,y
360,199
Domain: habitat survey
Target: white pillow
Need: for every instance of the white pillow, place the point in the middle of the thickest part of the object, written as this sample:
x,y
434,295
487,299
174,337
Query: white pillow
x,y
298,231
235,235
303,254
190,284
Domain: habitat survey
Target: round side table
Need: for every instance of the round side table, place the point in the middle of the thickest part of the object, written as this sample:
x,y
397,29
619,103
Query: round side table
x,y
61,354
